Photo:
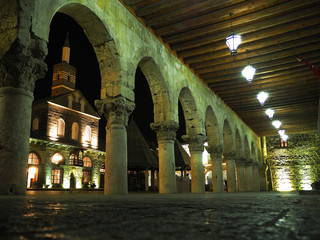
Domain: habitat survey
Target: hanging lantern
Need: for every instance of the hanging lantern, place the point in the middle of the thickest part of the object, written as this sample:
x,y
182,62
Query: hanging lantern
x,y
270,112
248,72
262,97
276,124
281,132
284,137
233,41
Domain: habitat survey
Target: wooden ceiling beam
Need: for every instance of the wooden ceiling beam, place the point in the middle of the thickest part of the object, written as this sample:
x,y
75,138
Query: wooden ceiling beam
x,y
224,63
198,7
278,25
224,26
263,46
217,16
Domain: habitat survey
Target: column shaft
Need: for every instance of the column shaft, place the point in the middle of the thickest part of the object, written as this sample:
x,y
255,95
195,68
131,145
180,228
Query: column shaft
x,y
197,173
241,178
256,179
167,177
217,177
249,179
15,118
231,175
116,160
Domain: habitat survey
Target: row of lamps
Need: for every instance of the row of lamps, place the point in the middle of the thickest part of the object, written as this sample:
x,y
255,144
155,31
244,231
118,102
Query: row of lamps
x,y
233,41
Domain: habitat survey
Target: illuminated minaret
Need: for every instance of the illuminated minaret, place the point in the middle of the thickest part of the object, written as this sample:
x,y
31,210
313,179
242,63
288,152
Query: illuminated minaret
x,y
64,75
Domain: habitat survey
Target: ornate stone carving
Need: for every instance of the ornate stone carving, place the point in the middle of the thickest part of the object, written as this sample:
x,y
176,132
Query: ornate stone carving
x,y
214,149
116,109
230,155
195,142
21,52
165,130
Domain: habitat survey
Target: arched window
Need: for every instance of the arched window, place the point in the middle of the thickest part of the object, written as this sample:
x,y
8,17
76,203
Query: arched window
x,y
33,159
87,162
82,105
70,100
87,134
57,158
61,127
75,131
102,168
35,124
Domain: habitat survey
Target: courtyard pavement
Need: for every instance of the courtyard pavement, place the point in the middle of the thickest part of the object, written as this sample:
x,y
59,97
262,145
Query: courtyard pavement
x,y
264,215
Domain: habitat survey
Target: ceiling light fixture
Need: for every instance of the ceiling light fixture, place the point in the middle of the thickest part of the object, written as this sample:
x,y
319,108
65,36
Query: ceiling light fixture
x,y
249,71
281,132
276,124
262,97
284,137
233,40
270,112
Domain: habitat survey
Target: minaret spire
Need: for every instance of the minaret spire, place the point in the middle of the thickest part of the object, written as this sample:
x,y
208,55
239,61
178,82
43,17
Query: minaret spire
x,y
66,50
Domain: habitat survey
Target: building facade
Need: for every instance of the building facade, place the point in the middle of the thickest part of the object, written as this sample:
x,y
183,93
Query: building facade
x,y
63,148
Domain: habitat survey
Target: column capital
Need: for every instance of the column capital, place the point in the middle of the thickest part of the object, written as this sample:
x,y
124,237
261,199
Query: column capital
x,y
23,63
217,150
241,162
115,109
195,142
230,156
166,130
249,162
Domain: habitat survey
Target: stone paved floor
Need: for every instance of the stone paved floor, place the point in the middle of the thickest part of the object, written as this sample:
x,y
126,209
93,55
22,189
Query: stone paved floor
x,y
151,216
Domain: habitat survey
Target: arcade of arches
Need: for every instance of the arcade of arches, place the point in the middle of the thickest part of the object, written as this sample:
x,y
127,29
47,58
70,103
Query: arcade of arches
x,y
121,45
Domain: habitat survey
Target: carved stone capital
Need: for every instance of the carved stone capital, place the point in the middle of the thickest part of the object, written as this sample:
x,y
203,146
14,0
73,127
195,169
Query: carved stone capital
x,y
241,162
195,142
230,156
22,53
116,110
214,149
165,130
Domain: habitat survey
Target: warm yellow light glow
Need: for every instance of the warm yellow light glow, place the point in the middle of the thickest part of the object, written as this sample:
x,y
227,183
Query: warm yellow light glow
x,y
56,158
284,182
306,180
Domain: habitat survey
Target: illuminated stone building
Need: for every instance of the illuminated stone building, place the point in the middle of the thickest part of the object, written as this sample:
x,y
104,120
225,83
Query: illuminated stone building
x,y
63,149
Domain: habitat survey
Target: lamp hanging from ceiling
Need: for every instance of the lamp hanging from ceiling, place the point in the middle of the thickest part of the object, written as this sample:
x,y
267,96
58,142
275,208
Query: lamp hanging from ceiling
x,y
276,124
262,97
249,71
281,132
233,40
270,112
284,137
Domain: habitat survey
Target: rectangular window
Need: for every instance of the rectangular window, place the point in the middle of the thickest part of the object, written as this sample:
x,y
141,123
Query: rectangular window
x,y
86,176
56,176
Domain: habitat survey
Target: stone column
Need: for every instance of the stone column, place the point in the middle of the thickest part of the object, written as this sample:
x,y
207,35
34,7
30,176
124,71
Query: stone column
x,y
116,110
21,64
231,172
263,177
248,176
240,163
197,170
255,176
166,135
216,168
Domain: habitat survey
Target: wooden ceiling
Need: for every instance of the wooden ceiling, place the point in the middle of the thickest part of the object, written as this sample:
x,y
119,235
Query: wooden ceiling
x,y
274,34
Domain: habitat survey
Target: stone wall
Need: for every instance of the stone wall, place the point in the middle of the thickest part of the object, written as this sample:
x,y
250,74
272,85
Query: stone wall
x,y
294,167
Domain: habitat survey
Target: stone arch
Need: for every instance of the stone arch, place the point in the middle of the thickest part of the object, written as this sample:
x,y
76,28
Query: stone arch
x,y
102,43
190,111
227,138
212,128
159,90
239,149
246,148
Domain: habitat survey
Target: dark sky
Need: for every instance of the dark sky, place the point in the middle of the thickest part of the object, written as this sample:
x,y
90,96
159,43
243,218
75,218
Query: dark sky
x,y
88,80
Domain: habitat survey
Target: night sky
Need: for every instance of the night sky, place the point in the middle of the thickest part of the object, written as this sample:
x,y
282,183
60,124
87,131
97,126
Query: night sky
x,y
88,80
